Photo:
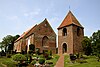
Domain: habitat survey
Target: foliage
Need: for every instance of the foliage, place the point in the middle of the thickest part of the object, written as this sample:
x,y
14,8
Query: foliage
x,y
95,40
86,44
49,62
54,60
41,60
37,51
3,53
72,57
7,62
33,62
47,54
32,47
8,41
19,57
8,55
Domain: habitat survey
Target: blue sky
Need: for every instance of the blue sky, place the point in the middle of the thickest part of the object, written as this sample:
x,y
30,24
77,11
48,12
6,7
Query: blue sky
x,y
17,16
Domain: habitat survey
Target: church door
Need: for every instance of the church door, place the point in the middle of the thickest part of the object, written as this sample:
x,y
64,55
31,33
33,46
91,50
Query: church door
x,y
64,49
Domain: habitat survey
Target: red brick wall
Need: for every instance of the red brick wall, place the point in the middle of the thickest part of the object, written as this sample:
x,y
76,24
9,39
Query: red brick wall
x,y
77,39
72,40
36,35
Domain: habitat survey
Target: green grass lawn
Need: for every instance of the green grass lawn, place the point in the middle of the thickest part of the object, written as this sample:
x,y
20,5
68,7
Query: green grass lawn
x,y
91,62
7,61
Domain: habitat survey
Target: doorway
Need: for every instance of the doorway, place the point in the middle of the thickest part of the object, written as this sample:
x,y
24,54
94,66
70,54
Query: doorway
x,y
64,49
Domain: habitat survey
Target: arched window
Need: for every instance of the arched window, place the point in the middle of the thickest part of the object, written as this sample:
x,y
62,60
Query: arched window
x,y
78,31
64,32
45,41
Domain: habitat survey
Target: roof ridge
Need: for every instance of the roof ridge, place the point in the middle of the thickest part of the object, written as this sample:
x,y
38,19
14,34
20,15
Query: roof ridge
x,y
26,32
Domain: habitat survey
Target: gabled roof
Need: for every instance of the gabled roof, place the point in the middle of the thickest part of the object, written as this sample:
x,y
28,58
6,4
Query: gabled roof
x,y
70,19
33,29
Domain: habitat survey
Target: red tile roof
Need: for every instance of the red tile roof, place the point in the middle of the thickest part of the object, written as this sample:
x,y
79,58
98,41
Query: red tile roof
x,y
70,19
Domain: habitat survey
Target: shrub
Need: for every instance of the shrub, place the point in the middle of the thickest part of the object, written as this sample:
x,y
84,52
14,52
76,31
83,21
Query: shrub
x,y
9,55
33,62
37,51
46,55
72,57
77,55
49,57
42,61
19,57
30,51
3,53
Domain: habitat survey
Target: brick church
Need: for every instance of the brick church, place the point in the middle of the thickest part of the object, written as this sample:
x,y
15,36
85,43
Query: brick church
x,y
41,37
70,35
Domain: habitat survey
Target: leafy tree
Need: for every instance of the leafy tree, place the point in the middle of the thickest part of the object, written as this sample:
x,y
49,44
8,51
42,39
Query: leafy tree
x,y
95,40
8,42
86,43
1,46
16,37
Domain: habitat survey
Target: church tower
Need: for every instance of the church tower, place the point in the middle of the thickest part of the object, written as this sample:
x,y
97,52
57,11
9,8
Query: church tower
x,y
70,35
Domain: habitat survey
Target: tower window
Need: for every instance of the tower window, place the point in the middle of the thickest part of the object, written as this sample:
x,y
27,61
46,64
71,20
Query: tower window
x,y
64,32
78,31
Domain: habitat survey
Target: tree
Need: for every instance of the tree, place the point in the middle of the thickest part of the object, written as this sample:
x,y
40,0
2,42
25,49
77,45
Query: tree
x,y
8,42
1,46
86,44
16,37
95,40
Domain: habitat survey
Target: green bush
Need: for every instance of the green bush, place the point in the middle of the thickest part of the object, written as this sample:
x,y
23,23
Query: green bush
x,y
42,61
19,57
33,62
8,55
49,57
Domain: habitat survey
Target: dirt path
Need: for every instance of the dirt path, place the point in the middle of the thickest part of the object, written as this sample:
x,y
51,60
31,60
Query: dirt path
x,y
60,62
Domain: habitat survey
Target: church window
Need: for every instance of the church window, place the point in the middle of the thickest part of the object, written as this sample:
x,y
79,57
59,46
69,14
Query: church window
x,y
64,32
45,41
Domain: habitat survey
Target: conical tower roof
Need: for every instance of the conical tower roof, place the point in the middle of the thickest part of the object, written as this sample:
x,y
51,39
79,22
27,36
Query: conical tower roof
x,y
70,19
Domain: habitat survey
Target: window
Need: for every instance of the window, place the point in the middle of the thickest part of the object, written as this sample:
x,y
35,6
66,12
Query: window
x,y
45,41
64,32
